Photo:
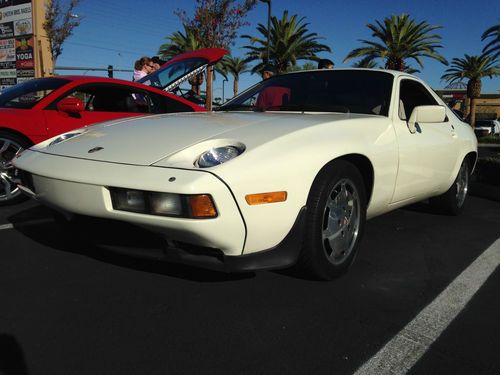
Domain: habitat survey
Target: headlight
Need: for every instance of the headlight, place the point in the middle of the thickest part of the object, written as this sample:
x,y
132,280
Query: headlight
x,y
66,136
218,155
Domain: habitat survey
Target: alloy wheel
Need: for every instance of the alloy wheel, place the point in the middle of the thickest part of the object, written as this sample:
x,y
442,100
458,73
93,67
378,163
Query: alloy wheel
x,y
341,221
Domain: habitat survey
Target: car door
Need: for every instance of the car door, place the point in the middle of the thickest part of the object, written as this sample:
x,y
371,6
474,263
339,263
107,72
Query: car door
x,y
426,157
102,102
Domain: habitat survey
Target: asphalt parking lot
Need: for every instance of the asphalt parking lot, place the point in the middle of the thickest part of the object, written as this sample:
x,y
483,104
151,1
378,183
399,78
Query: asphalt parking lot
x,y
409,304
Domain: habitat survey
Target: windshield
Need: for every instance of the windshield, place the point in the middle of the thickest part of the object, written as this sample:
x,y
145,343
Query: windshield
x,y
25,95
169,73
348,91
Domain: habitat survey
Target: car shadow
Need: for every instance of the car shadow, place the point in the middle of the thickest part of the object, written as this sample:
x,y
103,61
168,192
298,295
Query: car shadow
x,y
424,207
12,360
116,243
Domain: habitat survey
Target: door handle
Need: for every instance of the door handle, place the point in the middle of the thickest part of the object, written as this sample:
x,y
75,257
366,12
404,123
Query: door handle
x,y
453,132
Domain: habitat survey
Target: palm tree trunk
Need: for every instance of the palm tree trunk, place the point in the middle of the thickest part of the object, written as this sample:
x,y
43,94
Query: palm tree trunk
x,y
235,87
473,112
208,101
466,107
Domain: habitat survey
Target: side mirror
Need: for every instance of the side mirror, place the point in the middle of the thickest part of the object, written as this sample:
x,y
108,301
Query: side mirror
x,y
426,113
71,105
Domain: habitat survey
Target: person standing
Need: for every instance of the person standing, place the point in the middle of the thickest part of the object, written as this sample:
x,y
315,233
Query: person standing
x,y
142,68
157,62
325,64
267,71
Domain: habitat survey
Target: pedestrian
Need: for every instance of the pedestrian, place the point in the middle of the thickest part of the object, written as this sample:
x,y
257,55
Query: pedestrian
x,y
142,68
325,64
267,71
157,62
271,97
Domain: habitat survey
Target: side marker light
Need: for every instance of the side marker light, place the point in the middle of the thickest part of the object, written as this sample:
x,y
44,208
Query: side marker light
x,y
263,198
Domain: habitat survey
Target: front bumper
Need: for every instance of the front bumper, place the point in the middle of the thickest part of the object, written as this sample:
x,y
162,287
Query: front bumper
x,y
76,186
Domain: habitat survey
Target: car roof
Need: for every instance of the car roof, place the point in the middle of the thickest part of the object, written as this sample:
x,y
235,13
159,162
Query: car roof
x,y
395,73
91,79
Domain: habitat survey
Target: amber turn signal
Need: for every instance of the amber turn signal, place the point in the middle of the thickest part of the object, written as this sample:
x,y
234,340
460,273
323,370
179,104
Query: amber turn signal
x,y
202,206
262,198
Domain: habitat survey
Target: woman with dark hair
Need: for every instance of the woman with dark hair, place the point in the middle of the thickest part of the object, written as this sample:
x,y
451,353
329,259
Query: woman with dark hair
x,y
142,67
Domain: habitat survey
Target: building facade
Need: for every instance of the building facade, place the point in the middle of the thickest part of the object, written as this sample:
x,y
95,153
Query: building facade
x,y
24,47
487,105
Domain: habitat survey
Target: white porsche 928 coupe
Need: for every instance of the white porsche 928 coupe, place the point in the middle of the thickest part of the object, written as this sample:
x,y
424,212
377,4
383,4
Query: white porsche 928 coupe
x,y
287,172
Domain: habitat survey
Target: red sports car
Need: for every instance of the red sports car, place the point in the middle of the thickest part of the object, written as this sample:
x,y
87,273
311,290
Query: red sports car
x,y
38,109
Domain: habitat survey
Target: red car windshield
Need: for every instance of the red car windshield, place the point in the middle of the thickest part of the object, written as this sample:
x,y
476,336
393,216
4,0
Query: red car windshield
x,y
25,95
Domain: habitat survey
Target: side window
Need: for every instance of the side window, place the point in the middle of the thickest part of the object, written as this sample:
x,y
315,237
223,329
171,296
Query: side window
x,y
110,98
164,104
411,95
120,98
85,97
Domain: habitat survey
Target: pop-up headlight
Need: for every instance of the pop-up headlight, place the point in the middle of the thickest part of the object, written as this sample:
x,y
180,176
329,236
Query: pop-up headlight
x,y
218,155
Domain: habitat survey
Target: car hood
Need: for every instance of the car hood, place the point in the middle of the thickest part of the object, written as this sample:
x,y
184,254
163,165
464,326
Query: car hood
x,y
147,140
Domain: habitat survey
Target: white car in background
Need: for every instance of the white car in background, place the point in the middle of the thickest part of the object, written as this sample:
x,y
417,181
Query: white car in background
x,y
287,172
487,127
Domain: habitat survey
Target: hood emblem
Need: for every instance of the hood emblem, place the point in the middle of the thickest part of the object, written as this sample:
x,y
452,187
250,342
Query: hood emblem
x,y
95,149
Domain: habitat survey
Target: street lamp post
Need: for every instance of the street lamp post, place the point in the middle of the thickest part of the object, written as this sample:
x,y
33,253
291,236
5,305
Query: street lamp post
x,y
224,80
268,28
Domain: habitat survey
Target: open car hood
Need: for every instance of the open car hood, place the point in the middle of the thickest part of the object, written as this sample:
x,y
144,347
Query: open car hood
x,y
182,67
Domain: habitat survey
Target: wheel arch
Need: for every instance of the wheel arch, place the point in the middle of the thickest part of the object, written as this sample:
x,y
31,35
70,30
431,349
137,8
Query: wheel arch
x,y
17,134
362,163
471,158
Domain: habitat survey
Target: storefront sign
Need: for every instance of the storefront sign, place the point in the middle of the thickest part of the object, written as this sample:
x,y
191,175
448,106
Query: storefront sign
x,y
17,57
6,30
7,50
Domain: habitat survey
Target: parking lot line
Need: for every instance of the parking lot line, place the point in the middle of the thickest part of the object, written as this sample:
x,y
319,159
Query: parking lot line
x,y
6,226
400,354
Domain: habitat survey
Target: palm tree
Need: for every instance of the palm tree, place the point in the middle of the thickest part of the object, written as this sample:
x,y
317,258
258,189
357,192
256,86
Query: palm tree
x,y
365,63
400,39
290,40
492,49
371,64
234,66
305,66
179,43
473,68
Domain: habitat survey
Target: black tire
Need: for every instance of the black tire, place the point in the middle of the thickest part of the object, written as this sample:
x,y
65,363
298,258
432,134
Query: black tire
x,y
336,205
9,145
453,201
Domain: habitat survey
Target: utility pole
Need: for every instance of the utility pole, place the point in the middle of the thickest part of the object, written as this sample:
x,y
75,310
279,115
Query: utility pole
x,y
268,29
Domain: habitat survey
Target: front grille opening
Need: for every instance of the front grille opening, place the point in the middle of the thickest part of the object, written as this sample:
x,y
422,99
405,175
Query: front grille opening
x,y
199,250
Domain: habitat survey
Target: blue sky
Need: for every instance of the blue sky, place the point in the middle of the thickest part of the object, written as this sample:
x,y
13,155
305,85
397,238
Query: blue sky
x,y
118,32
